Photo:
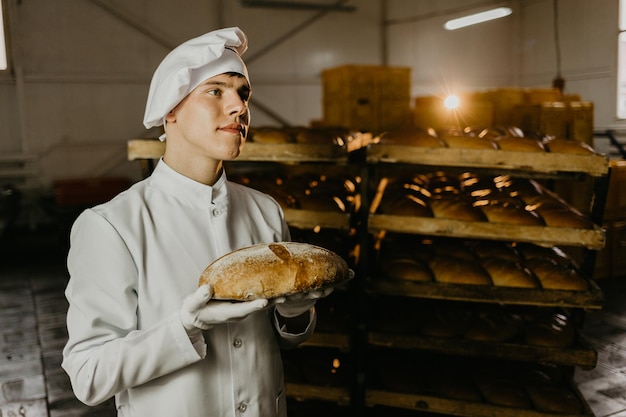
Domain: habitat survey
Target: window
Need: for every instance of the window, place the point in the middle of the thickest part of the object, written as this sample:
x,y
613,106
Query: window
x,y
3,46
621,62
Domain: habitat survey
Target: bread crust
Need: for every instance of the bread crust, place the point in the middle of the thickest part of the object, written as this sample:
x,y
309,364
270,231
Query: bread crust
x,y
273,270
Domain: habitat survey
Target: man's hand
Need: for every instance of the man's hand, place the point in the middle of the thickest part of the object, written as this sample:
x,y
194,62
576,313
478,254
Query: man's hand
x,y
199,312
298,304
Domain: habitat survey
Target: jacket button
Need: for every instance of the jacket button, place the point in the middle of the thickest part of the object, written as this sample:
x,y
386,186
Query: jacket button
x,y
242,407
237,343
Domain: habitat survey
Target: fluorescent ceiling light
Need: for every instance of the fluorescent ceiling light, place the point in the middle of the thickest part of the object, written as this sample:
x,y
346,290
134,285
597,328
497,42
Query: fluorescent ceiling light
x,y
477,18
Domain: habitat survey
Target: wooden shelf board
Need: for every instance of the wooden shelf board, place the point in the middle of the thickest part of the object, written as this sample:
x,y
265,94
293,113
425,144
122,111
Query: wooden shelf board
x,y
313,392
582,355
554,236
433,404
332,340
544,162
308,219
592,299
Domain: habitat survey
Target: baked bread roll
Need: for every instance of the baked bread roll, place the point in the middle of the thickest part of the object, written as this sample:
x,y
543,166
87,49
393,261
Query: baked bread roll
x,y
452,270
315,136
406,269
456,209
510,143
272,270
493,326
554,399
488,249
556,276
469,142
266,135
502,391
507,273
411,137
554,330
443,322
405,205
569,146
508,214
563,217
452,248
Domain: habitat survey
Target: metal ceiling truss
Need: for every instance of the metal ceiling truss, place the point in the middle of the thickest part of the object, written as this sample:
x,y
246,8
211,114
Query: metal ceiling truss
x,y
330,7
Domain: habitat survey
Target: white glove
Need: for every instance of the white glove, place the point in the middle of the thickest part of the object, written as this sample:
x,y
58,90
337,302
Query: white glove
x,y
199,313
297,304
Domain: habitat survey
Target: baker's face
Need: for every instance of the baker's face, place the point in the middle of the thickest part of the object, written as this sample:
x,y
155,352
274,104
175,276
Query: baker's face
x,y
214,118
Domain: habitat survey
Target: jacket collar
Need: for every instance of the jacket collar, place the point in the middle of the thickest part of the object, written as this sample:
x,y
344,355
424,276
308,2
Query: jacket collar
x,y
186,190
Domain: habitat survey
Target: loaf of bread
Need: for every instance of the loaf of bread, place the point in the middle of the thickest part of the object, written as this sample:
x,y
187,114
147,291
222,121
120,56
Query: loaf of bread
x,y
503,391
554,399
510,143
508,214
443,322
557,276
452,270
493,326
456,209
274,270
553,330
407,269
569,146
563,217
469,142
411,137
405,205
507,273
489,249
270,135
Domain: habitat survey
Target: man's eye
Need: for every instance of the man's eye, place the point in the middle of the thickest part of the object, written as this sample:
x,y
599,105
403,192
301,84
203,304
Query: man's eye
x,y
214,92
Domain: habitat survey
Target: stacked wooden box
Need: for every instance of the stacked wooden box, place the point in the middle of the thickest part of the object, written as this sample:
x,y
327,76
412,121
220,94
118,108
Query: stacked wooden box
x,y
367,98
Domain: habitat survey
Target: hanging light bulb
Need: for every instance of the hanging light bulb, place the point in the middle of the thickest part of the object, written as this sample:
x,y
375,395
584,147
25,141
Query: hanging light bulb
x,y
451,102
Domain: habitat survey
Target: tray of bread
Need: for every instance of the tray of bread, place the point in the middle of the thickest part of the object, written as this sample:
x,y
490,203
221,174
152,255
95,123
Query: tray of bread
x,y
309,199
302,144
479,270
488,148
521,333
272,270
454,386
480,206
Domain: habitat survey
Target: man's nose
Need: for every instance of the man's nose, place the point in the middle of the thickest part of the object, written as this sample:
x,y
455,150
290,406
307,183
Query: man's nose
x,y
235,105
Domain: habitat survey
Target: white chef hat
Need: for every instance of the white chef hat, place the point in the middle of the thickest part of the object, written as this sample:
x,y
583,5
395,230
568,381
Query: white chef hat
x,y
188,65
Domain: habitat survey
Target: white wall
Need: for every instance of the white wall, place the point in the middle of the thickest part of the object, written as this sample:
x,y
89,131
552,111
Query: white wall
x,y
516,51
82,67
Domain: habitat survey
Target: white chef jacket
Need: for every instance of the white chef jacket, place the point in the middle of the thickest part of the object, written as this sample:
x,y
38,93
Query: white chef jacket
x,y
132,261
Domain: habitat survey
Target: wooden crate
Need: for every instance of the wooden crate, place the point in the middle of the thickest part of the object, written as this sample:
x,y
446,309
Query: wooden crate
x,y
504,101
618,250
357,114
553,118
580,121
542,95
366,98
615,207
367,81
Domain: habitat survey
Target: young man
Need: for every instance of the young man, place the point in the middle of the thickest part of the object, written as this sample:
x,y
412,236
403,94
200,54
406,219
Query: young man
x,y
139,328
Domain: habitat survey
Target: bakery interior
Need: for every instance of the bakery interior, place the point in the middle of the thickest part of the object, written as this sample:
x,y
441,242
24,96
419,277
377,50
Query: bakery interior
x,y
487,239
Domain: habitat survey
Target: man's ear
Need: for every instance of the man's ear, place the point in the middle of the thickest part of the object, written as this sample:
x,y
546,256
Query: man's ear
x,y
171,116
